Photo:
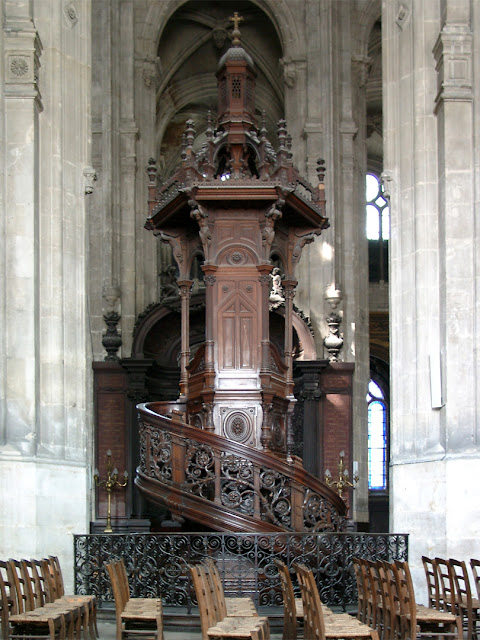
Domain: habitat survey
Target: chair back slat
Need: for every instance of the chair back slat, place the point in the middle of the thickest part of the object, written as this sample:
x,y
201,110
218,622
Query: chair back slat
x,y
289,607
208,616
314,622
475,564
8,601
117,590
57,572
22,593
446,598
467,607
433,585
214,583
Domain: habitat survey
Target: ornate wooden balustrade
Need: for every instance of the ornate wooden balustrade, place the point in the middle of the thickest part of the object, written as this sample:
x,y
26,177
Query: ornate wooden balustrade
x,y
228,486
157,563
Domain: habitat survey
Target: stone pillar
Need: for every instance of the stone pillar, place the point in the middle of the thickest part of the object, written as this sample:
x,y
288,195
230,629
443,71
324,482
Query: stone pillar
x,y
429,156
45,441
20,233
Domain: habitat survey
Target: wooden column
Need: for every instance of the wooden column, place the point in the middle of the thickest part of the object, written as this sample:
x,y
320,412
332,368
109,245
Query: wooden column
x,y
289,292
185,287
208,390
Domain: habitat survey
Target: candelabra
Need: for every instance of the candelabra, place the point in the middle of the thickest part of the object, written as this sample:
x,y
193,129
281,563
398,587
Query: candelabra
x,y
110,482
343,477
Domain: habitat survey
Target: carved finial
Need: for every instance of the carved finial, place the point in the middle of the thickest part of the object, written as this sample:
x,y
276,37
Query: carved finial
x,y
263,126
152,171
236,32
190,133
209,130
321,170
183,147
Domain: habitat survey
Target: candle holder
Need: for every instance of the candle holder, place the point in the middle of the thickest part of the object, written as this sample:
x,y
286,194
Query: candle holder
x,y
343,478
110,482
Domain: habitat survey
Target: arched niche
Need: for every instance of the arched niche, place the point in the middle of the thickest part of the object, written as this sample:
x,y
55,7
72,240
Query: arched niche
x,y
157,338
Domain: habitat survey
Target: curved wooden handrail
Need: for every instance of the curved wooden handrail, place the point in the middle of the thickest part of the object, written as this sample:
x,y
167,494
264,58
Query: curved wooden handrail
x,y
237,489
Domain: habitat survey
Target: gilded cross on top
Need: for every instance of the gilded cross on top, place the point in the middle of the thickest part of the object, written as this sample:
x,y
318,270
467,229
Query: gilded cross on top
x,y
236,19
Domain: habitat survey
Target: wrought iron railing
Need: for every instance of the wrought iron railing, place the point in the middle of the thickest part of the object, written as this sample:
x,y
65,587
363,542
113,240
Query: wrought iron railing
x,y
157,563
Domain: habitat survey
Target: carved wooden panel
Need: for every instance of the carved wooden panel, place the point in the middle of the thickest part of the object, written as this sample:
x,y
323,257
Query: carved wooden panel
x,y
237,325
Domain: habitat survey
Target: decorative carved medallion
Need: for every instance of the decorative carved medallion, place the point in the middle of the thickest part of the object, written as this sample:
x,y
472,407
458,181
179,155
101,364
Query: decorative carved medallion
x,y
238,426
19,66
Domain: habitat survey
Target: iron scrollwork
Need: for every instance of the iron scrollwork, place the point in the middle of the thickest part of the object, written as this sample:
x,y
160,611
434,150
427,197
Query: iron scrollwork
x,y
157,563
200,470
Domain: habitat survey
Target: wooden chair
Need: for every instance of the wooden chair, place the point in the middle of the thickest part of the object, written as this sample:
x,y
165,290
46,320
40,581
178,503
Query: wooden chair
x,y
52,574
360,572
292,607
231,606
475,564
317,625
135,617
418,621
389,627
433,585
375,603
213,626
468,607
16,621
38,596
446,594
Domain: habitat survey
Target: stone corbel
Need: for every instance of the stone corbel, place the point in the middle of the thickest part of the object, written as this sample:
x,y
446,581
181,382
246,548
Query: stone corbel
x,y
386,180
289,72
151,71
90,177
361,66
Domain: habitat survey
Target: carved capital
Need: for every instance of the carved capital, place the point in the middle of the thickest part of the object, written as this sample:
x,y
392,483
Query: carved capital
x,y
209,280
22,63
453,54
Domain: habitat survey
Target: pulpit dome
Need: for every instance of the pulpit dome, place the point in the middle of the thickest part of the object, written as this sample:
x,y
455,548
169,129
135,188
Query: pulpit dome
x,y
236,53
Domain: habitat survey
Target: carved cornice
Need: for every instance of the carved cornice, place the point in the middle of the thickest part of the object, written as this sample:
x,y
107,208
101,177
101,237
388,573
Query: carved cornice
x,y
22,62
453,54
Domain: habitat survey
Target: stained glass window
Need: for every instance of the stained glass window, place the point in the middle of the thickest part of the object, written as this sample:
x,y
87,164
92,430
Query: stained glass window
x,y
377,438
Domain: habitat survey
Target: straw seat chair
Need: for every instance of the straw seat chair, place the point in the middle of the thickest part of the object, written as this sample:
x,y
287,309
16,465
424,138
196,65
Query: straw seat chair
x,y
419,621
52,574
468,607
317,625
433,585
292,606
359,569
16,621
135,617
228,606
213,624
